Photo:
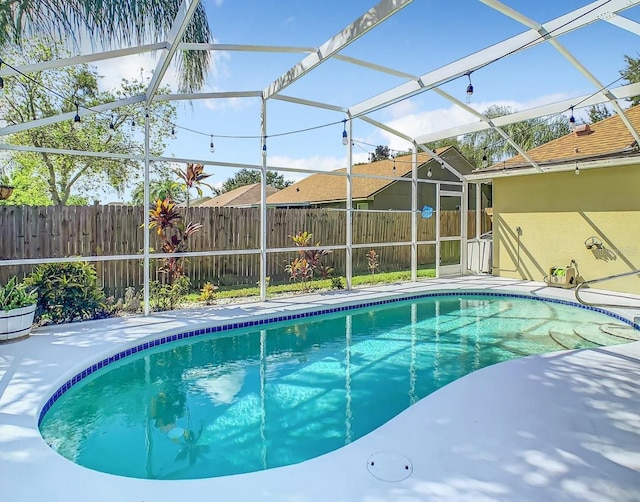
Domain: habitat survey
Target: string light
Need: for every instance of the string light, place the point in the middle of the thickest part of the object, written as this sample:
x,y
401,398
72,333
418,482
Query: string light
x,y
394,164
469,88
133,122
572,121
426,88
485,159
345,139
577,169
76,119
212,147
1,79
112,126
429,173
264,147
173,132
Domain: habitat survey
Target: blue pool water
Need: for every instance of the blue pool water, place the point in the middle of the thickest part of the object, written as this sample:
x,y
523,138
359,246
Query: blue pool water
x,y
248,399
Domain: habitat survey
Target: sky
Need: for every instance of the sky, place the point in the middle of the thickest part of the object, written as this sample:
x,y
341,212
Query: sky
x,y
424,36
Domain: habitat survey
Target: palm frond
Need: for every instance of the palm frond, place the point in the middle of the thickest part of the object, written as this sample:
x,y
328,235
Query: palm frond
x,y
111,23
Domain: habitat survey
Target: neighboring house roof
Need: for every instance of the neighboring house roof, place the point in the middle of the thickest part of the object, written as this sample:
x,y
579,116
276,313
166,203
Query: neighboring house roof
x,y
195,202
246,195
323,188
605,139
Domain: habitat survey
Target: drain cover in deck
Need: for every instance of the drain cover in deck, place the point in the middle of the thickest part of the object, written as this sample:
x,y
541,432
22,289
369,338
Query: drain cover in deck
x,y
389,466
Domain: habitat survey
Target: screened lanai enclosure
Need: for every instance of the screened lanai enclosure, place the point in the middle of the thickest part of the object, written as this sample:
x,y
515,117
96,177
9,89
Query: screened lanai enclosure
x,y
417,76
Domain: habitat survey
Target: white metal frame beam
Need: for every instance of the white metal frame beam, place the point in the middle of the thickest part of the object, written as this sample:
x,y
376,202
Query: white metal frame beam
x,y
559,26
433,154
87,58
623,92
623,22
369,20
24,126
490,123
180,24
530,23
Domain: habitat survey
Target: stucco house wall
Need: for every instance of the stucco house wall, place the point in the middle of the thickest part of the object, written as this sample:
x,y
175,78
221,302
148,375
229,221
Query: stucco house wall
x,y
557,212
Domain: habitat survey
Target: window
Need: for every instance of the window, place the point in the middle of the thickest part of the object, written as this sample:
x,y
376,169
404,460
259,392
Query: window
x,y
362,205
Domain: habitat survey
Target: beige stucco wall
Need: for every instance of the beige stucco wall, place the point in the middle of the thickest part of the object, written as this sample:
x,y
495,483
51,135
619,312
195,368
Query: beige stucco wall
x,y
557,213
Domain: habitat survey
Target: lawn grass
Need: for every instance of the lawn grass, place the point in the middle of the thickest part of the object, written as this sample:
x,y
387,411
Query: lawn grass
x,y
315,285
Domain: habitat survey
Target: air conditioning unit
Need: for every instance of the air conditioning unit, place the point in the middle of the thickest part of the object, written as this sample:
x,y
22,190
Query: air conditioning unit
x,y
561,277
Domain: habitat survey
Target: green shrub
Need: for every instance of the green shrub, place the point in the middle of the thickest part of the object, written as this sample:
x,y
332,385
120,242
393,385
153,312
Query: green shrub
x,y
67,292
208,293
15,296
337,283
168,296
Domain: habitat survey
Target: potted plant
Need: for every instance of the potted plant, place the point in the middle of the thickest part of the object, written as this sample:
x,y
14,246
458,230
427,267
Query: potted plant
x,y
17,308
6,189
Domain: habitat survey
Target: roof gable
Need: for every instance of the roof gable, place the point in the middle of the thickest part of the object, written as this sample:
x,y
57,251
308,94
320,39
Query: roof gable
x,y
319,188
242,196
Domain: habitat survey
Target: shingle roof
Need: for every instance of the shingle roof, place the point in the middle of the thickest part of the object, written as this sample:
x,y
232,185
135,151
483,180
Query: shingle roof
x,y
607,137
243,196
326,188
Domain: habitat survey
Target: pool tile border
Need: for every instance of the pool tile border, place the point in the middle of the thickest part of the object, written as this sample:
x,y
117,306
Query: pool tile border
x,y
289,317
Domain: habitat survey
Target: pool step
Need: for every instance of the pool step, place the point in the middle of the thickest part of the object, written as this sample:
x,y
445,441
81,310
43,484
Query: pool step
x,y
568,340
607,334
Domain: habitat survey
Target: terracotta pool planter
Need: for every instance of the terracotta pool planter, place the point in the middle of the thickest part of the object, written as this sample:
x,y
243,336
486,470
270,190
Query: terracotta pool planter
x,y
16,323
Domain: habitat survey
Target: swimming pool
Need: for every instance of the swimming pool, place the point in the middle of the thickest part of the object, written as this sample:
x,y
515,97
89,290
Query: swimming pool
x,y
254,399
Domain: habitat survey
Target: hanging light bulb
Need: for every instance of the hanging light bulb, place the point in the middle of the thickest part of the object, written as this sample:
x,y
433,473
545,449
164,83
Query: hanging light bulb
x,y
469,88
264,147
173,132
429,173
572,121
212,147
345,139
485,159
442,165
112,125
577,169
1,79
133,122
76,119
394,164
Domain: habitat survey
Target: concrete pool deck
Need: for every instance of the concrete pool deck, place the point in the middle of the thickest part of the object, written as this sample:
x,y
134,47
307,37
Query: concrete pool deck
x,y
561,426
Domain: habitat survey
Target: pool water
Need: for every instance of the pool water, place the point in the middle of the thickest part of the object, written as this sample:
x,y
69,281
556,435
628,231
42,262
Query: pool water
x,y
249,399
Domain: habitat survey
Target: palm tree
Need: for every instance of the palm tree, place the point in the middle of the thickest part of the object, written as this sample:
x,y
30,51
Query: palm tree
x,y
112,23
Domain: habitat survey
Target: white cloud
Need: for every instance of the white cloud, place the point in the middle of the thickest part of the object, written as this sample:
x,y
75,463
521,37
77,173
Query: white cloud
x,y
114,70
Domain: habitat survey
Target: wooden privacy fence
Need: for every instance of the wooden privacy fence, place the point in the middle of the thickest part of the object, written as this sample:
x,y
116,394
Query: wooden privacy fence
x,y
61,231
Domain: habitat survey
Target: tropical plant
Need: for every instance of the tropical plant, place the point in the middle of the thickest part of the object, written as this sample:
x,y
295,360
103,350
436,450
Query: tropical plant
x,y
14,295
67,292
372,261
308,261
174,233
193,177
112,23
208,293
163,188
